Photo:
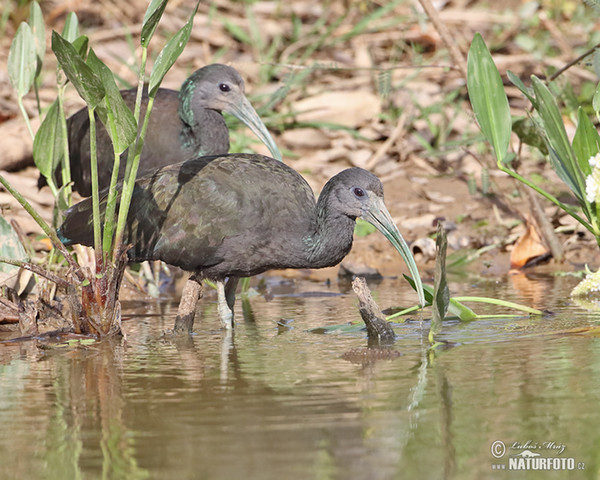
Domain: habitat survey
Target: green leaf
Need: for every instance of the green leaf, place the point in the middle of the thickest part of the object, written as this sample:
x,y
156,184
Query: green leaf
x,y
22,60
81,45
586,142
488,98
169,54
151,18
441,293
48,142
561,154
38,28
85,81
71,29
10,246
116,116
528,92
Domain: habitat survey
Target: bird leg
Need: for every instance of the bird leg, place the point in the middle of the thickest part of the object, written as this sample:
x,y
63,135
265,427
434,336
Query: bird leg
x,y
226,301
192,292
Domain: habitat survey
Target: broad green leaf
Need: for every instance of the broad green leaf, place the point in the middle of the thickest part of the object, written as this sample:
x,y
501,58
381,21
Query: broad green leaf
x,y
10,246
48,142
151,18
488,98
441,293
85,81
169,54
36,20
561,154
516,81
586,142
22,60
116,117
71,29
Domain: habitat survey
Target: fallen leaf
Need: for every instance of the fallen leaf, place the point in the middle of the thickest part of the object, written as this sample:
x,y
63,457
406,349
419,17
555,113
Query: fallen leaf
x,y
527,247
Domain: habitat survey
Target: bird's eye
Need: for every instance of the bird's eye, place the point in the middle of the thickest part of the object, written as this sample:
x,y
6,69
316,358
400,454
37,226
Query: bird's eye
x,y
224,87
359,192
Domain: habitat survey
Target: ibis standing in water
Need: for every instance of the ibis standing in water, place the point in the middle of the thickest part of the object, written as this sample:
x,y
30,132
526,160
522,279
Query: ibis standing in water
x,y
182,125
240,215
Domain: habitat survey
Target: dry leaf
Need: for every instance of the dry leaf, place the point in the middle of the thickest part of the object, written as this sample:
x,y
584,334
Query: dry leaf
x,y
528,247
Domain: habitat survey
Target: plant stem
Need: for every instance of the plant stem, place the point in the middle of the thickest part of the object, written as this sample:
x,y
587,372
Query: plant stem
x,y
503,303
66,165
593,229
131,153
95,194
25,116
129,182
111,203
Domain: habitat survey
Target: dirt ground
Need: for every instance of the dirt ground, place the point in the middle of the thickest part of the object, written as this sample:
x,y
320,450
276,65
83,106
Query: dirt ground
x,y
385,96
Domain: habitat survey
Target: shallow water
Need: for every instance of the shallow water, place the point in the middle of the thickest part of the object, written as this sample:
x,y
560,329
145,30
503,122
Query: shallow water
x,y
275,401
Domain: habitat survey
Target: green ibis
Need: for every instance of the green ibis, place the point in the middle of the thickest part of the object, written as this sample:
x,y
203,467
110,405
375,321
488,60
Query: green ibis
x,y
238,215
182,124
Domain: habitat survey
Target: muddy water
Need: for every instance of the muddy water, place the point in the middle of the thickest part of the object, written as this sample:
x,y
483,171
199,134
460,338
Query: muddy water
x,y
275,401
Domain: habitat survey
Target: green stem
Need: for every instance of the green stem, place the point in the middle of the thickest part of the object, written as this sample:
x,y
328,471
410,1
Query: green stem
x,y
406,311
66,163
44,226
25,117
129,182
593,229
111,203
502,303
95,193
131,153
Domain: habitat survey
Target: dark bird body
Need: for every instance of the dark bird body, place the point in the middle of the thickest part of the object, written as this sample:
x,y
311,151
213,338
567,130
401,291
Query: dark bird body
x,y
240,215
182,125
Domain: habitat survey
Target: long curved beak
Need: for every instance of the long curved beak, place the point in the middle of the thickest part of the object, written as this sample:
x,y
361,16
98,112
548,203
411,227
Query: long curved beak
x,y
246,113
378,216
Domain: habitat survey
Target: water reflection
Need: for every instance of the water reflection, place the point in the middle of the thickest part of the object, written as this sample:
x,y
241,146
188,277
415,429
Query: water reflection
x,y
272,400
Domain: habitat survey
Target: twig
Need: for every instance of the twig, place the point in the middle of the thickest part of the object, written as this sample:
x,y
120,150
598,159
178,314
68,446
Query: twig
x,y
454,51
560,71
37,270
545,226
377,328
385,146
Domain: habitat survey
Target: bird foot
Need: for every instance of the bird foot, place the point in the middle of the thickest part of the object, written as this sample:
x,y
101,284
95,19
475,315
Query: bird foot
x,y
224,306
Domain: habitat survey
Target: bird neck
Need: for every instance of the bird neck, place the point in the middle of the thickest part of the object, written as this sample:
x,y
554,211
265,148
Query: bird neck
x,y
332,238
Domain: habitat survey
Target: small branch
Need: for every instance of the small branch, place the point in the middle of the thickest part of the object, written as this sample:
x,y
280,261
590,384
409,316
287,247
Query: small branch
x,y
448,40
37,270
545,226
560,71
377,328
45,227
